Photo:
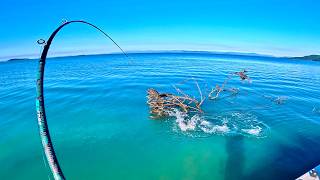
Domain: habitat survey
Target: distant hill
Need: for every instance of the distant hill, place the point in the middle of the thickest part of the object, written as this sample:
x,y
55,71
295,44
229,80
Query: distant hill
x,y
161,52
18,59
255,55
310,57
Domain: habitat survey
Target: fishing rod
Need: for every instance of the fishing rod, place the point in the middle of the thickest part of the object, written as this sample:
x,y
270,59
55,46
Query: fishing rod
x,y
40,105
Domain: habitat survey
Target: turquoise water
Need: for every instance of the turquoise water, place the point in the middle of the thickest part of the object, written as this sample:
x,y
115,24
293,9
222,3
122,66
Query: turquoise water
x,y
100,125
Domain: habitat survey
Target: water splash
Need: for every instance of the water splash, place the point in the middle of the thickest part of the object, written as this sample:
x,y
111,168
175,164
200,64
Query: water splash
x,y
226,124
183,121
255,131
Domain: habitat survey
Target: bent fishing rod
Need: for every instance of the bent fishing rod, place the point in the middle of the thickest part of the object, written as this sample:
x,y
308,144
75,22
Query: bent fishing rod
x,y
40,105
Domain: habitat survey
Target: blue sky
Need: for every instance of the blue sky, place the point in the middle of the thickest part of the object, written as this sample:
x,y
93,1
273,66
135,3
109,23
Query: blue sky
x,y
273,27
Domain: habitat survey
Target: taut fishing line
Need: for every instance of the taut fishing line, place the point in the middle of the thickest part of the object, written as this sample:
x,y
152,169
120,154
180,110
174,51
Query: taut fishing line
x,y
40,105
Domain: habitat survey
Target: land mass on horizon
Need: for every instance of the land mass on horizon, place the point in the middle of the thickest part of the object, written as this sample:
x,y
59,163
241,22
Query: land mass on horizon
x,y
308,57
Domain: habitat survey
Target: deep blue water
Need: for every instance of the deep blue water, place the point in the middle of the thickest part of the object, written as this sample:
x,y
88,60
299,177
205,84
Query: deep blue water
x,y
100,125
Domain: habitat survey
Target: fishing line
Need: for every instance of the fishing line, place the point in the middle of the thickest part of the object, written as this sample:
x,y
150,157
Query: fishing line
x,y
40,105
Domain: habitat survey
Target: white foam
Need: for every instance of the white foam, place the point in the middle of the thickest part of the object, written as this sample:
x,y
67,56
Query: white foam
x,y
226,124
191,124
186,125
208,127
255,131
205,123
182,120
224,128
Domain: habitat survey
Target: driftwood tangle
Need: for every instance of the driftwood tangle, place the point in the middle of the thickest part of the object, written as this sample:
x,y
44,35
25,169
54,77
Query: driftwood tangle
x,y
162,103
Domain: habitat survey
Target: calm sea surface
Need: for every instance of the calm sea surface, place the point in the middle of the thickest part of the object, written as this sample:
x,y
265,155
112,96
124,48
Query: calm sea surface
x,y
100,125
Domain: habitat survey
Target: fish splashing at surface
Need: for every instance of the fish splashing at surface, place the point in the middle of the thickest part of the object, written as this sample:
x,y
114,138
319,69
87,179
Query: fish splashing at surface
x,y
182,120
234,123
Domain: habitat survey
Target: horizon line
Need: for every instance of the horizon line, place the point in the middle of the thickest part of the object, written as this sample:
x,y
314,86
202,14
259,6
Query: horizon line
x,y
65,54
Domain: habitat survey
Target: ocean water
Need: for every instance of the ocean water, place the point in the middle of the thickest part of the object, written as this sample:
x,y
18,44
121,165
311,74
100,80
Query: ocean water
x,y
101,129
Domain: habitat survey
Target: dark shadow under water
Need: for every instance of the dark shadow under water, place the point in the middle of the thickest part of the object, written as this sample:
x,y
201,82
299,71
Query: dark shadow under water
x,y
290,162
234,164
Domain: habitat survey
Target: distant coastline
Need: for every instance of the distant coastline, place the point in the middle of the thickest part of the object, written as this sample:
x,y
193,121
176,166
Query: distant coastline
x,y
309,57
19,59
159,52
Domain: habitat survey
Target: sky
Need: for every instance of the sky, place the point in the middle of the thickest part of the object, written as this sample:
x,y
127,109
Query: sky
x,y
271,27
